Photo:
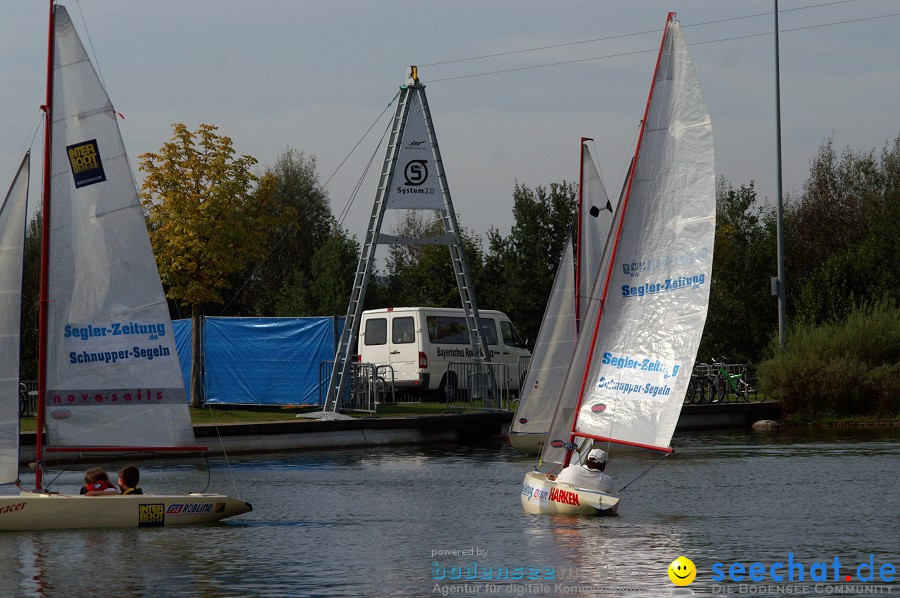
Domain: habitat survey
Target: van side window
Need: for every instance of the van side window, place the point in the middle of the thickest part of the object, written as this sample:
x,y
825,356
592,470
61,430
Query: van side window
x,y
489,330
403,331
511,337
376,332
448,330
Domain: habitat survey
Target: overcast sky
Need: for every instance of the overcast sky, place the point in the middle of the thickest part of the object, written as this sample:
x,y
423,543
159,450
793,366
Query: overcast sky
x,y
314,75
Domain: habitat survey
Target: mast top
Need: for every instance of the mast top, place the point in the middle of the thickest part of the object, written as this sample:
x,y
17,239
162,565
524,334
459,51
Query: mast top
x,y
412,75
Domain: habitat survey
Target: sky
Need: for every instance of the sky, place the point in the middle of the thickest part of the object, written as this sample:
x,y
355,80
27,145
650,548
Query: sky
x,y
316,75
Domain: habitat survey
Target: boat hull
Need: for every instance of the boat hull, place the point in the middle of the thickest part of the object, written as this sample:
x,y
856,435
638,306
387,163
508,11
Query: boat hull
x,y
541,495
34,511
527,442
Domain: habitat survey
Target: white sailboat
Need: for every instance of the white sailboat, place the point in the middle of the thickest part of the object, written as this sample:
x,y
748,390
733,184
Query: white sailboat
x,y
646,314
109,376
556,338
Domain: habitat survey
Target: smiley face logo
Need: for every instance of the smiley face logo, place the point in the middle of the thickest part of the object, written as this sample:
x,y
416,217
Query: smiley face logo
x,y
682,571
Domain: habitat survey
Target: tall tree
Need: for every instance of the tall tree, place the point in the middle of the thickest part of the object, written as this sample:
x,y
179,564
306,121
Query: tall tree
x,y
291,247
423,274
743,263
843,230
205,222
321,286
527,259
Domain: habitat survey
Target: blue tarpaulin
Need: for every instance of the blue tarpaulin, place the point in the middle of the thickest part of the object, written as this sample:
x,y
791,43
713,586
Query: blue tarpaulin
x,y
260,361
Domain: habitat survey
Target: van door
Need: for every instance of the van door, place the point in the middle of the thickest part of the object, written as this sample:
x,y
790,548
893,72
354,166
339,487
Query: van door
x,y
374,339
511,353
404,350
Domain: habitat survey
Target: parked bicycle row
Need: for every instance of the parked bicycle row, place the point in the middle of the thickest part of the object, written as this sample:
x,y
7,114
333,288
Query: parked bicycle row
x,y
721,382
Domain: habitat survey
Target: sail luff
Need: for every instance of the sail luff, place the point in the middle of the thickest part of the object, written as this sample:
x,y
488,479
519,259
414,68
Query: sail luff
x,y
615,245
13,208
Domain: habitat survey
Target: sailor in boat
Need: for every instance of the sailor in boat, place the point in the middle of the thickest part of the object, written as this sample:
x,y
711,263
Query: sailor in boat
x,y
129,476
591,475
96,483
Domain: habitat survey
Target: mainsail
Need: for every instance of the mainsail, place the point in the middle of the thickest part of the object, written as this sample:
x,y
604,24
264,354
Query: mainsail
x,y
12,248
646,316
555,343
113,376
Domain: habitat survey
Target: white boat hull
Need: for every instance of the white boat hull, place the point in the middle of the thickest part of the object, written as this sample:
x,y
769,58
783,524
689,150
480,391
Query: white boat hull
x,y
34,511
527,442
541,495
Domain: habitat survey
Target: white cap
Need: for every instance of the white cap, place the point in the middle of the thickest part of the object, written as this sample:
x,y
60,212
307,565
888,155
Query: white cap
x,y
597,455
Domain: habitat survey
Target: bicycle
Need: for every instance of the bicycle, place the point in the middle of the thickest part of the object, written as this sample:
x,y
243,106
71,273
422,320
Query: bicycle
x,y
727,383
701,388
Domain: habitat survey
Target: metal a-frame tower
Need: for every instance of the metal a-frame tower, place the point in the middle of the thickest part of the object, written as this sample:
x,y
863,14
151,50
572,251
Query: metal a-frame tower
x,y
412,178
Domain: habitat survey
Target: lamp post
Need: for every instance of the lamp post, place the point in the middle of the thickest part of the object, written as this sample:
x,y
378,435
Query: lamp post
x,y
778,283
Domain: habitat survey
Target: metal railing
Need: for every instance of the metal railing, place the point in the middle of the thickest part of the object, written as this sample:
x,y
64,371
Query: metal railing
x,y
474,386
369,385
28,398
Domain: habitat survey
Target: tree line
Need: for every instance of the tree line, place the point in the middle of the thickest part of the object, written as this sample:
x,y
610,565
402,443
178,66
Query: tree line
x,y
229,241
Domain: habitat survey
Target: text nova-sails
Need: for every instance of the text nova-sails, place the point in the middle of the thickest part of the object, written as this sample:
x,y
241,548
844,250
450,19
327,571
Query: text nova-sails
x,y
646,316
109,376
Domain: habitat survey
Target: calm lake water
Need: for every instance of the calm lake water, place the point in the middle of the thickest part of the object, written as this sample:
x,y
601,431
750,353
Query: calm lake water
x,y
385,522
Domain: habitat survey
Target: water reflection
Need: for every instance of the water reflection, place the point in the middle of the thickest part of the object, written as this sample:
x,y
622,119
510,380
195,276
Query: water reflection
x,y
373,522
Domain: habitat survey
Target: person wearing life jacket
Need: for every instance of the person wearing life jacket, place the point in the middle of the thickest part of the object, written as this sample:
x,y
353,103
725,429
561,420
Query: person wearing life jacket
x,y
96,483
129,476
590,475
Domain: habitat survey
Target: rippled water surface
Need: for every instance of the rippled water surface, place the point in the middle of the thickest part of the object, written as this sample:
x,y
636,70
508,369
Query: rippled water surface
x,y
385,522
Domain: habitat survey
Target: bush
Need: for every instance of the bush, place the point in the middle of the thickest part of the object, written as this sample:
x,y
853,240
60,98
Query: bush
x,y
847,368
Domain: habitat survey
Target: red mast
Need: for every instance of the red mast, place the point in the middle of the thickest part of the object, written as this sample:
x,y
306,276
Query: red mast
x,y
615,248
45,260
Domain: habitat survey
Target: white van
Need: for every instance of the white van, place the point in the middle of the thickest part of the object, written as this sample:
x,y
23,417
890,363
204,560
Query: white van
x,y
419,342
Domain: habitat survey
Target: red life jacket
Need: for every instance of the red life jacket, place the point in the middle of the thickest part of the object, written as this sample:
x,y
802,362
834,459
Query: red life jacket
x,y
99,486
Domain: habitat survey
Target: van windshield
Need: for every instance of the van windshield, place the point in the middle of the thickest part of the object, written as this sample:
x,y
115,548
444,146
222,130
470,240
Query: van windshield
x,y
448,330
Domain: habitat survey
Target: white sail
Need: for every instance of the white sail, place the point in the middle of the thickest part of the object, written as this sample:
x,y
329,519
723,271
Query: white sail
x,y
555,344
113,376
12,248
596,218
563,418
552,353
654,299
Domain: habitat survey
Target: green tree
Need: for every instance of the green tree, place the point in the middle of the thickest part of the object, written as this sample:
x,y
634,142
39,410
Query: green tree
x,y
843,233
519,269
742,312
423,274
322,287
205,222
291,246
31,283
